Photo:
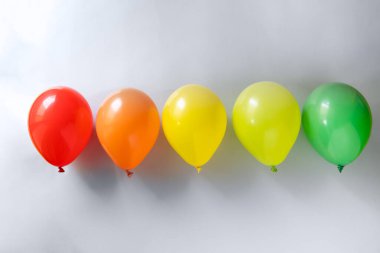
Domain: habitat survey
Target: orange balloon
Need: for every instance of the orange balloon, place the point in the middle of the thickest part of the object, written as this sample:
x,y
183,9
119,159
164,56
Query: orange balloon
x,y
127,125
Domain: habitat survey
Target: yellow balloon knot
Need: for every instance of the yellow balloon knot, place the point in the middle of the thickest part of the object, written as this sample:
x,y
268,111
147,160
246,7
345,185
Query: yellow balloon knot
x,y
199,169
273,169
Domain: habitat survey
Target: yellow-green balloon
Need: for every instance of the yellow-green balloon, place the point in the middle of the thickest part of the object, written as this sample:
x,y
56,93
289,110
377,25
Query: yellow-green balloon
x,y
337,122
266,119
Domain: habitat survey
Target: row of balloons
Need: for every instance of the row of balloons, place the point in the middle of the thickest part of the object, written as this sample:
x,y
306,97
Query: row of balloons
x,y
266,118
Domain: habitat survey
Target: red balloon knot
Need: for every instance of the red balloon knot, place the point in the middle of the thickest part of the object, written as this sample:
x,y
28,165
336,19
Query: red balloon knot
x,y
61,170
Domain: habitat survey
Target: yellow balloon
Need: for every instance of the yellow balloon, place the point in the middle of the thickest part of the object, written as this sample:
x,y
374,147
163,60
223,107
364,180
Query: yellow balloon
x,y
267,119
194,121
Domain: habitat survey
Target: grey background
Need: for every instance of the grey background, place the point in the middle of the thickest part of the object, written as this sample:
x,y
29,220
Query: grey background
x,y
235,204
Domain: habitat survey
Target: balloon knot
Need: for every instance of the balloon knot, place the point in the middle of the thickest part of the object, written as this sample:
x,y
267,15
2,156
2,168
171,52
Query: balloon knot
x,y
199,169
273,169
129,173
60,169
340,168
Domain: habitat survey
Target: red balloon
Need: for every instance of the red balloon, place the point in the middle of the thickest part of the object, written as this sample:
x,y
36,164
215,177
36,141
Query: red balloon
x,y
60,125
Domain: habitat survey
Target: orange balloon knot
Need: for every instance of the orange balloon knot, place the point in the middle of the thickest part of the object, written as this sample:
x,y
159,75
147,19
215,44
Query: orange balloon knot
x,y
129,173
61,170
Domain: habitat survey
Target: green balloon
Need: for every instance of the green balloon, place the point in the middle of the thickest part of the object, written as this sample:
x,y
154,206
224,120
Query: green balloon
x,y
337,122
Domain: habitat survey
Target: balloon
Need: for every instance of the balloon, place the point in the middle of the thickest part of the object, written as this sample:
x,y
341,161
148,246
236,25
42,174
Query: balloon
x,y
60,125
337,122
194,122
266,119
127,125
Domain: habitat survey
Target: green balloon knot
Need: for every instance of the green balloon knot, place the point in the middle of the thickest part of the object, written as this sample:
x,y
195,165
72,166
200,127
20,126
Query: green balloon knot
x,y
273,169
340,168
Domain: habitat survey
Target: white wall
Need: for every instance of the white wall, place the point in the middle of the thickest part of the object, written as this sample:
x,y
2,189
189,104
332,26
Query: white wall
x,y
235,204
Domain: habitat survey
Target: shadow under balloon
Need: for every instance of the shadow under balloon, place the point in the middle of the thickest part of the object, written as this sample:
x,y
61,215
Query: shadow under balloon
x,y
163,171
231,170
96,169
305,171
301,174
362,177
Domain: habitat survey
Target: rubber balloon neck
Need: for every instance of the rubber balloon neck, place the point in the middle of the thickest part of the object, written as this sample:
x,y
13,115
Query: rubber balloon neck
x,y
273,169
60,169
199,169
340,168
129,173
